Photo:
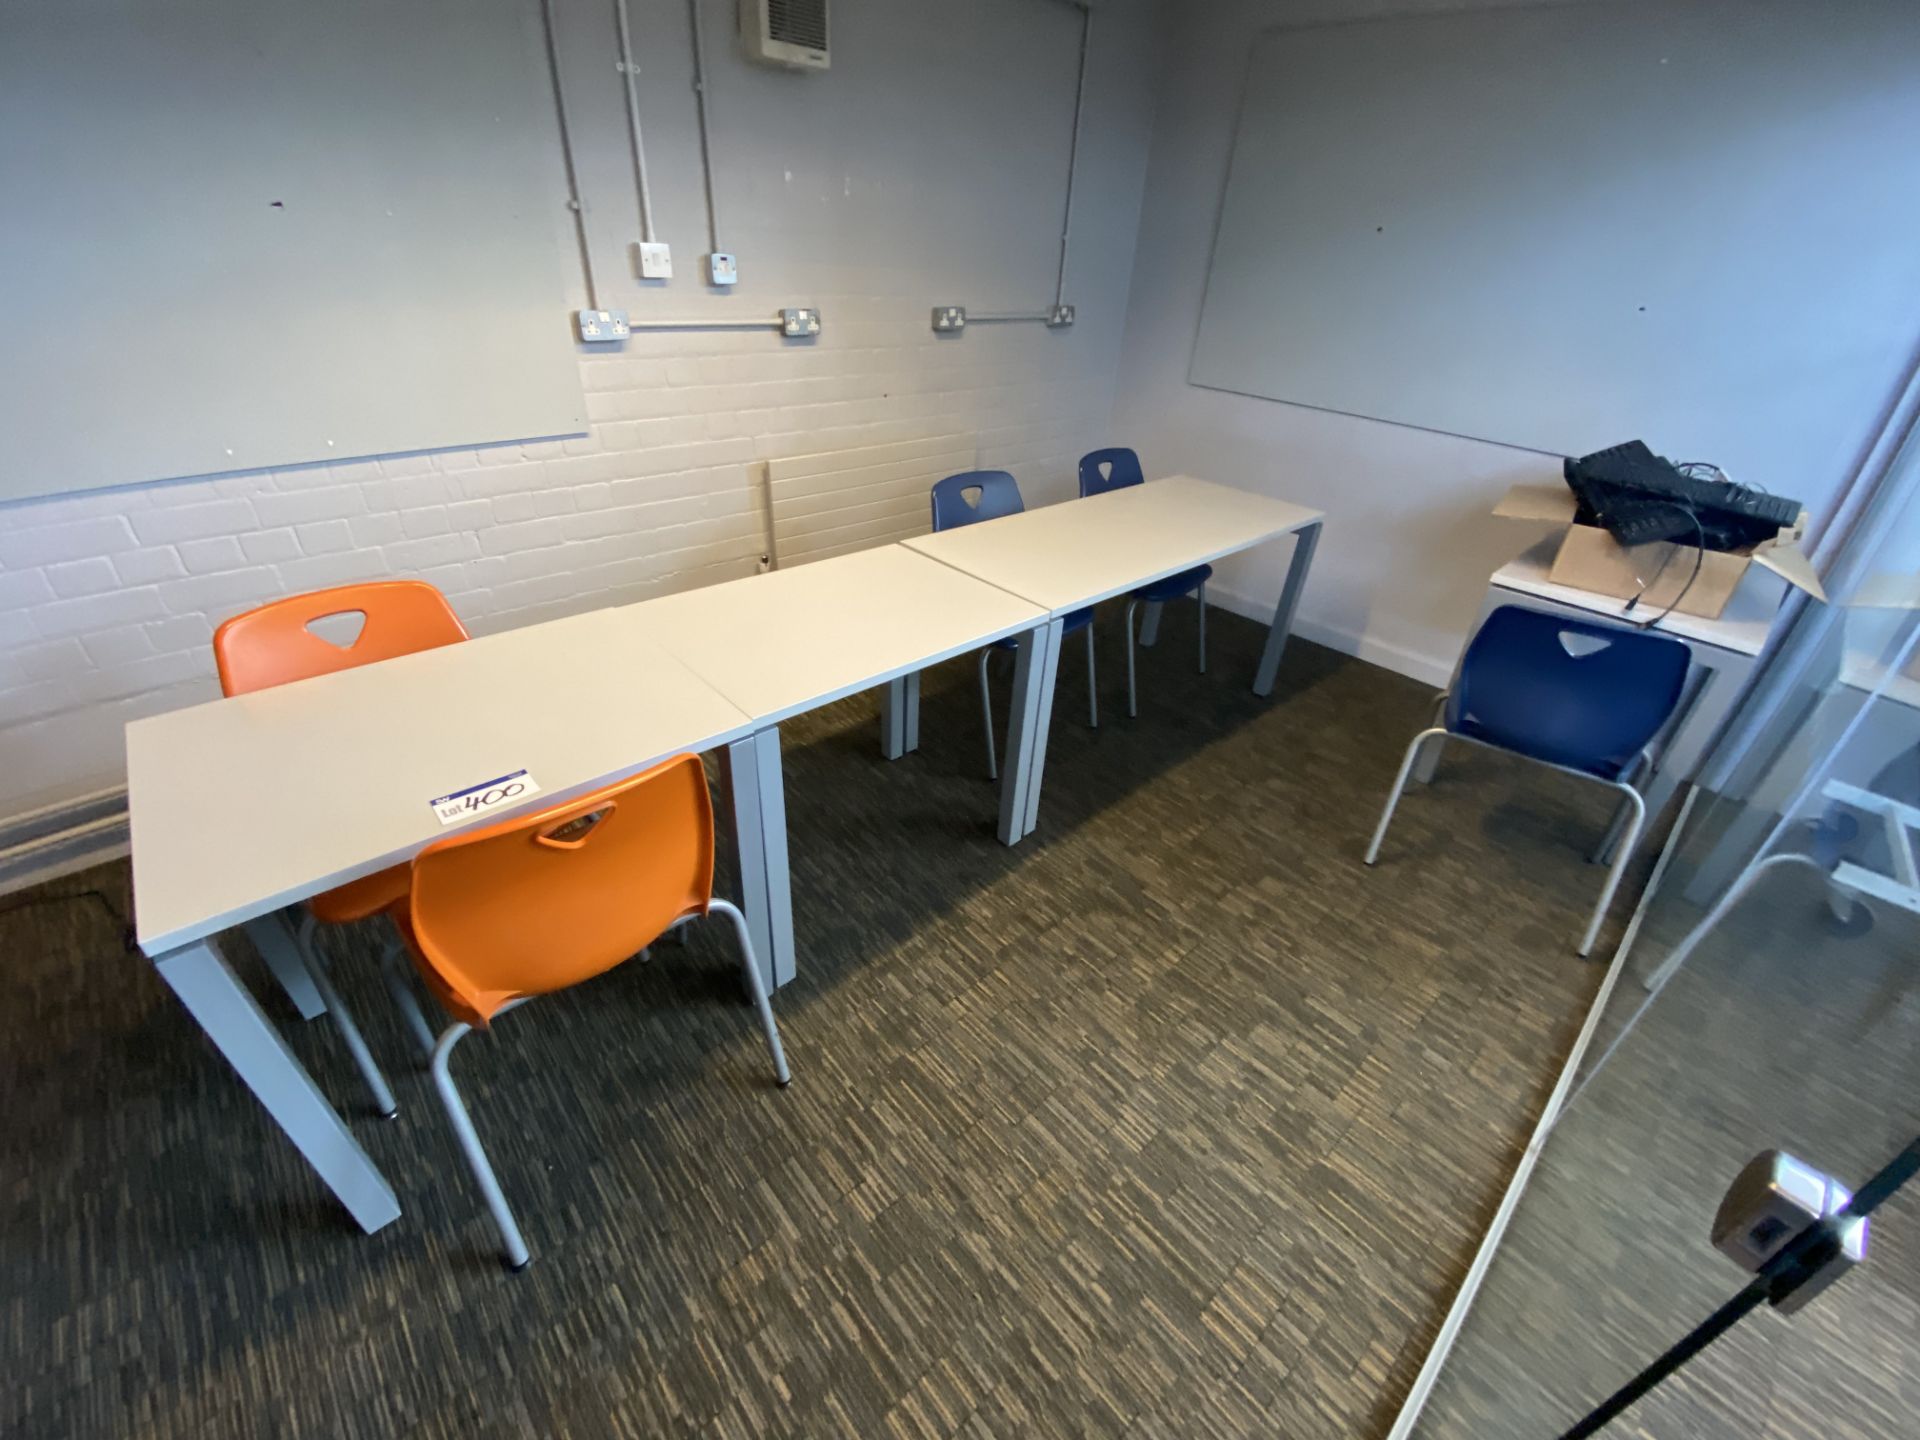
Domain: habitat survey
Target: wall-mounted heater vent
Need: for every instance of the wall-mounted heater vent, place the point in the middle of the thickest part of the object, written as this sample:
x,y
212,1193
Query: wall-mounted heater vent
x,y
792,33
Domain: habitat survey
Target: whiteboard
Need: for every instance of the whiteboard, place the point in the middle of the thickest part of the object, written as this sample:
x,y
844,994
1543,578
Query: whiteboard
x,y
237,234
1691,221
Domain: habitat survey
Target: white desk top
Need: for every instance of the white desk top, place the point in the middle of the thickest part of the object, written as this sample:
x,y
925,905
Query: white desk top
x,y
784,642
1742,627
244,805
1067,556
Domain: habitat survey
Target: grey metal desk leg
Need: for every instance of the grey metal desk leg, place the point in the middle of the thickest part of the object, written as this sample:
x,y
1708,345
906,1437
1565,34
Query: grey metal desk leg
x,y
750,844
1036,663
227,1011
773,832
900,716
1303,546
272,936
1150,624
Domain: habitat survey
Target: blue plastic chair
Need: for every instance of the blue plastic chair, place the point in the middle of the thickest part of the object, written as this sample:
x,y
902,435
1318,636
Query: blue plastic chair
x,y
1113,469
1586,699
967,499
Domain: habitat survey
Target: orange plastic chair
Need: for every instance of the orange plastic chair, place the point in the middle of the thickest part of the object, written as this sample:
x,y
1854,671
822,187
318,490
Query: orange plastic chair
x,y
275,645
541,902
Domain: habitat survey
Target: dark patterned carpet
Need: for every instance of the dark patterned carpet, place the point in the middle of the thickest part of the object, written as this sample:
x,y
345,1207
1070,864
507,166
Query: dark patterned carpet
x,y
1175,1121
1783,1030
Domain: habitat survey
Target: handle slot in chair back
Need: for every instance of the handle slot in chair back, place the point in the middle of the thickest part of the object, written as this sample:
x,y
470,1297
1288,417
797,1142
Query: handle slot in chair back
x,y
1114,468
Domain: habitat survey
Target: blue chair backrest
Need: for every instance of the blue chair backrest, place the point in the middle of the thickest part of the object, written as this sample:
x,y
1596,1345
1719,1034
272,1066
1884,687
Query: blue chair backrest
x,y
1104,470
1569,692
975,495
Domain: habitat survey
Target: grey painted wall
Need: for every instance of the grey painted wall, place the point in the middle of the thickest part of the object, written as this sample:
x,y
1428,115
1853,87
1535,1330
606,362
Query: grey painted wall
x,y
1408,544
926,166
236,234
1561,227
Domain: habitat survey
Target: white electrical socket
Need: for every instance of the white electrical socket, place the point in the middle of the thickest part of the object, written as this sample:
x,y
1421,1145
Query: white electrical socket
x,y
656,260
722,268
602,327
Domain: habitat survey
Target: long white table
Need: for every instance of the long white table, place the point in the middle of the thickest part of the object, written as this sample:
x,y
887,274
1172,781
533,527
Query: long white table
x,y
1065,557
786,642
247,805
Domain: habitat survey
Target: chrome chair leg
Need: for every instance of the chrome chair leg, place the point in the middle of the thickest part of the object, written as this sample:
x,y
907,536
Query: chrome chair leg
x,y
513,1245
757,986
1399,785
343,1021
986,717
400,988
1635,774
1430,761
1622,854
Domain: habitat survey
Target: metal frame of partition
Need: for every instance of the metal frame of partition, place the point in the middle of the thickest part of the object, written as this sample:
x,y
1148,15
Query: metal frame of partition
x,y
1887,474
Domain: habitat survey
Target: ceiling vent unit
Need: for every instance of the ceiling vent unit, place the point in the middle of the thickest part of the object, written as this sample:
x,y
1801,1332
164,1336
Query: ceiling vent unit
x,y
789,33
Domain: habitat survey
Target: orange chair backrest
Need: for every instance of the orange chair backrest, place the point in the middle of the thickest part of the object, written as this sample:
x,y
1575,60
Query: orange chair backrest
x,y
276,644
540,902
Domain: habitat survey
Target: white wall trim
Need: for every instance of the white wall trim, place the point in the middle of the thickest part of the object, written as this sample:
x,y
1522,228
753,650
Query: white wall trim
x,y
1428,669
57,840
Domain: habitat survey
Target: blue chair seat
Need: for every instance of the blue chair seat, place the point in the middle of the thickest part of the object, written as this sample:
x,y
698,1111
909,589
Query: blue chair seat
x,y
1574,694
1174,586
1078,620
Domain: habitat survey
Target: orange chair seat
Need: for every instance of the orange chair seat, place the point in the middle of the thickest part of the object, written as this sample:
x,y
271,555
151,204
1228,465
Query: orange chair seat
x,y
358,899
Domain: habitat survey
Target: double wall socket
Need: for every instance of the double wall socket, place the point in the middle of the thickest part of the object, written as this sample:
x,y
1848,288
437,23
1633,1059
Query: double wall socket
x,y
656,260
949,317
602,327
798,324
1059,316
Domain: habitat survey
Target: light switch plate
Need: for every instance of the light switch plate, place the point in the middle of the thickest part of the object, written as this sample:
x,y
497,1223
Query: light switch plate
x,y
949,317
722,268
602,327
656,260
799,323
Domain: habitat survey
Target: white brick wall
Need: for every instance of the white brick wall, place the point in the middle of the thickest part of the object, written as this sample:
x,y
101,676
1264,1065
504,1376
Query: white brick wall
x,y
108,599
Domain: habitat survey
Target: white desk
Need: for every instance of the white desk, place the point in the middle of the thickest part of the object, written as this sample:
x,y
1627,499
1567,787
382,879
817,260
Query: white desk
x,y
1723,650
1068,556
1742,627
246,805
779,644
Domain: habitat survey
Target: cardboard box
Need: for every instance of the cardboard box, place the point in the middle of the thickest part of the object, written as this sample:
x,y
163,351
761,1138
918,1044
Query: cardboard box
x,y
1591,559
